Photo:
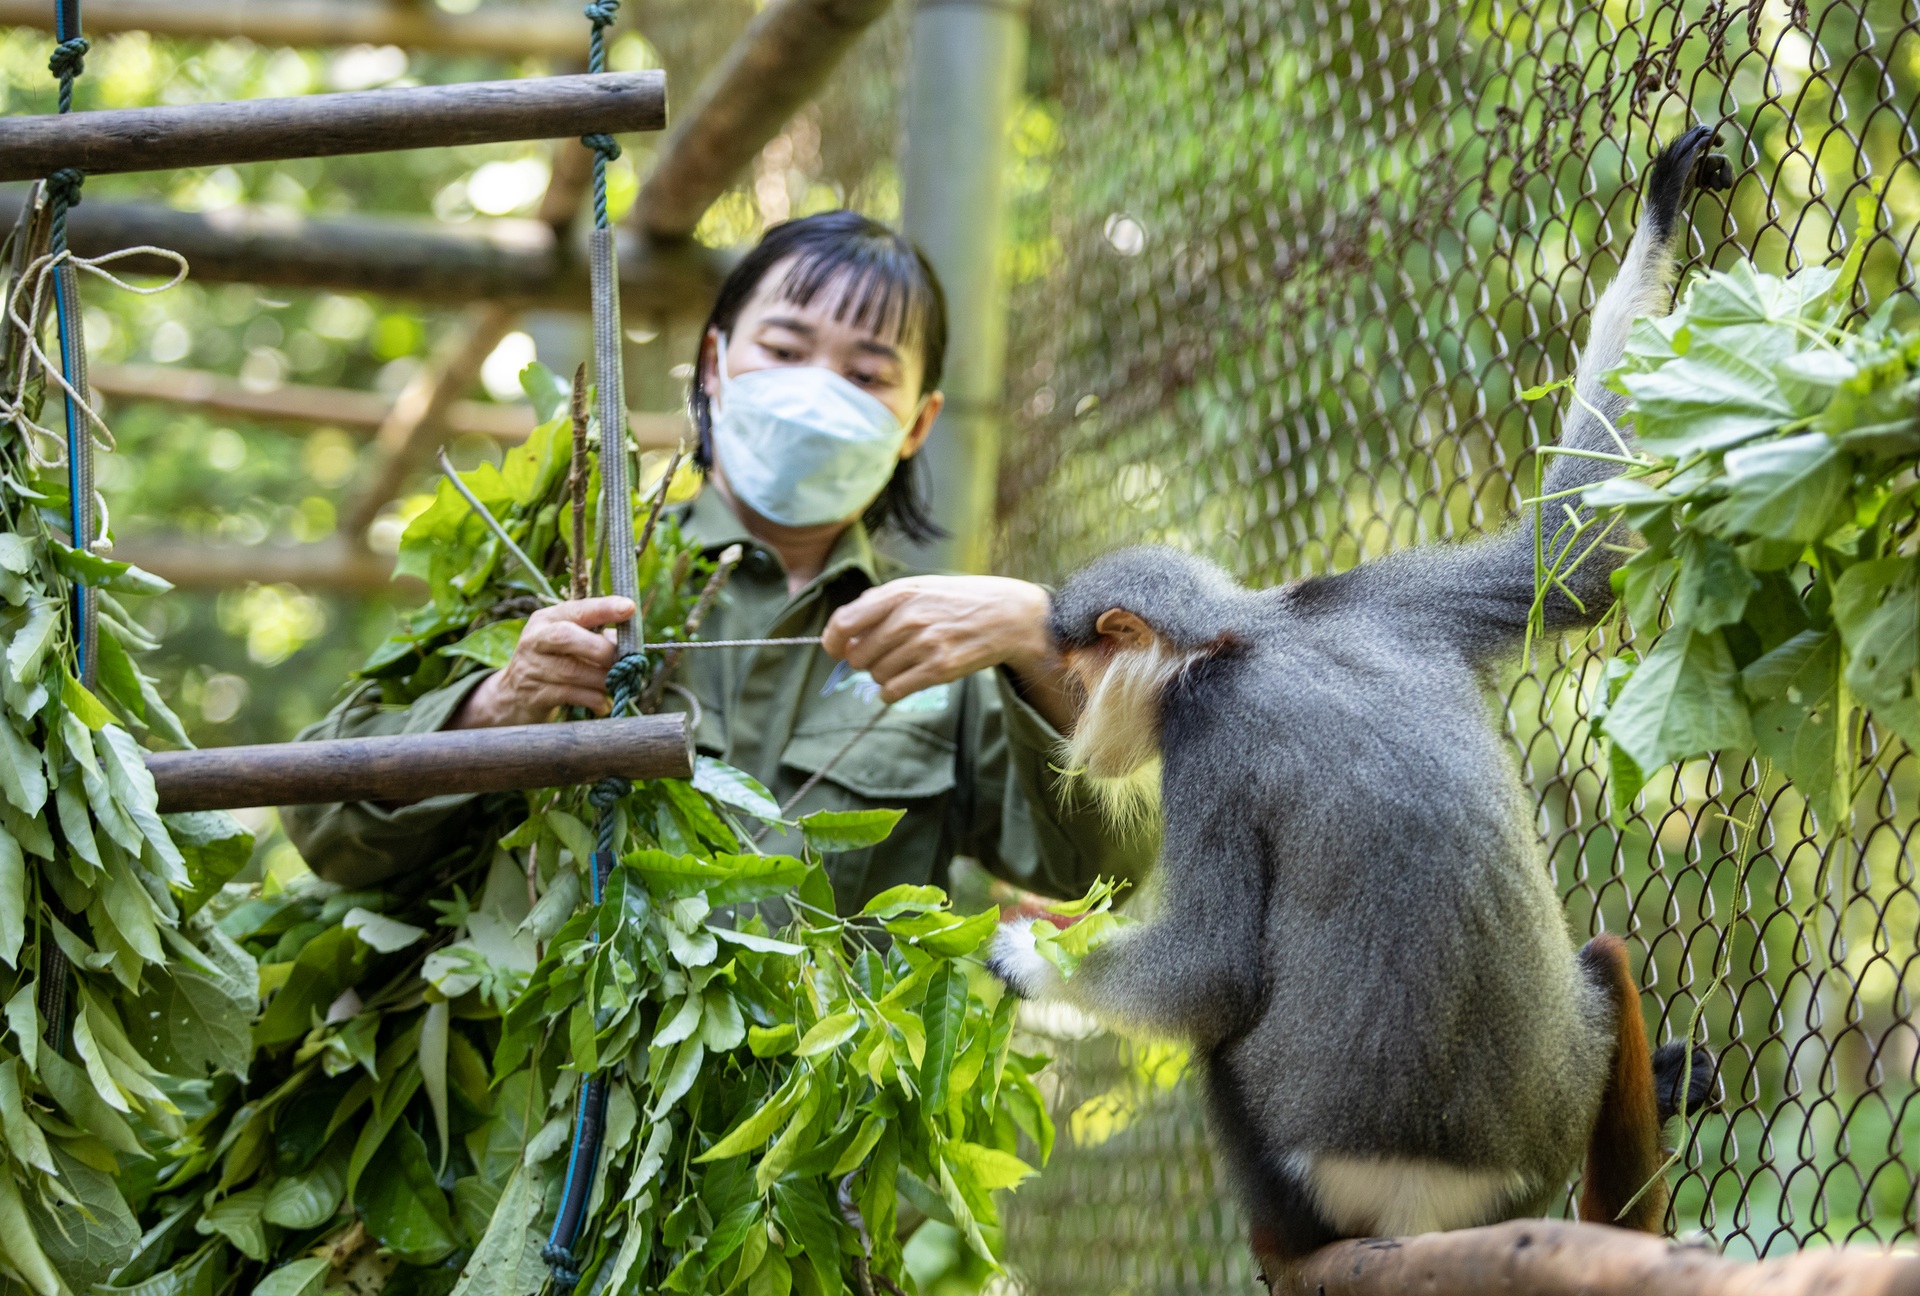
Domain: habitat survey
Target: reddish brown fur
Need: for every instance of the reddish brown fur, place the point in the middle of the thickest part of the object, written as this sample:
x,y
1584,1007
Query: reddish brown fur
x,y
1623,1153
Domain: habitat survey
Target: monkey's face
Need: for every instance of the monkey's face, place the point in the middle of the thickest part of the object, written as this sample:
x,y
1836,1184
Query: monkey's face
x,y
1116,740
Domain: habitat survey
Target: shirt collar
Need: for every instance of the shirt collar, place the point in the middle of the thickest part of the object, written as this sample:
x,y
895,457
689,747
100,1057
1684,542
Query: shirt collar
x,y
713,526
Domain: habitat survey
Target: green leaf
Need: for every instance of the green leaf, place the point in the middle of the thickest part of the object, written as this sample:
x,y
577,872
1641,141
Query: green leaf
x,y
24,1138
962,938
551,394
830,831
13,898
490,645
1795,693
771,1041
760,944
801,1207
196,1011
988,1167
1688,406
434,1025
735,788
22,774
90,710
758,1126
104,573
1876,606
379,932
306,1201
238,1219
20,1245
1714,584
905,898
507,1260
326,965
1793,489
828,1033
402,1204
300,1278
721,1026
944,1011
1682,701
214,846
863,1143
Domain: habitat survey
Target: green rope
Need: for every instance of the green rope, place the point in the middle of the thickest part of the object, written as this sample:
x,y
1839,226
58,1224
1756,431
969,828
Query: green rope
x,y
601,13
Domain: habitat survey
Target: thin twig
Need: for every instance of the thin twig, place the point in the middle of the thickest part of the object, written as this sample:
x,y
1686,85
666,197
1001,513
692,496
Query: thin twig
x,y
657,686
493,525
813,779
577,482
659,501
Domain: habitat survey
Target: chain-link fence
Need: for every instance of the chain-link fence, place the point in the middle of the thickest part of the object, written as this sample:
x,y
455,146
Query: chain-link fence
x,y
1282,268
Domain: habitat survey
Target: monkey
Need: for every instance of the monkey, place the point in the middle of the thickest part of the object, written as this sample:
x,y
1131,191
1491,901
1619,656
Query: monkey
x,y
1356,932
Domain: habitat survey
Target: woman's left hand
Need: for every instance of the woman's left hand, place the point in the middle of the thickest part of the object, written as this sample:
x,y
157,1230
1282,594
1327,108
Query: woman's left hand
x,y
919,631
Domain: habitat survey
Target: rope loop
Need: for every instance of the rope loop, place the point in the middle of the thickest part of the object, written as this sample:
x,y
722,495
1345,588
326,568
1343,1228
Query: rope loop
x,y
601,13
69,58
605,145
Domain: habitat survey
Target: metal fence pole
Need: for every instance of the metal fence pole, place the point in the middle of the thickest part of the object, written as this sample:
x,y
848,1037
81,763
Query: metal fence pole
x,y
968,60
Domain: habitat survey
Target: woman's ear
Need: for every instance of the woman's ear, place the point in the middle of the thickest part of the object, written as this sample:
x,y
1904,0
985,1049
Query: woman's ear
x,y
923,425
710,363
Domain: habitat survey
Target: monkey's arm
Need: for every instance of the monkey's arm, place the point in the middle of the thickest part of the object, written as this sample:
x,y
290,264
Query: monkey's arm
x,y
1481,594
1193,971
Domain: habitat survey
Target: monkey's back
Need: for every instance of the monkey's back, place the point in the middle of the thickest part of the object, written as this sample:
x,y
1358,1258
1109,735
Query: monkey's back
x,y
1422,997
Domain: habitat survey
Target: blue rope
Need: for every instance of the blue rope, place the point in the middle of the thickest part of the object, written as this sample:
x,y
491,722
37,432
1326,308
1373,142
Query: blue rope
x,y
67,62
623,684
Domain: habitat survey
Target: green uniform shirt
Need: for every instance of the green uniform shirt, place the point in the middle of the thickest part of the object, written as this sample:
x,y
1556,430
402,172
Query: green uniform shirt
x,y
969,761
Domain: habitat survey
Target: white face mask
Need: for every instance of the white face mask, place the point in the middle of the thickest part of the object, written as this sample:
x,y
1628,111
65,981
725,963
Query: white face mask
x,y
802,446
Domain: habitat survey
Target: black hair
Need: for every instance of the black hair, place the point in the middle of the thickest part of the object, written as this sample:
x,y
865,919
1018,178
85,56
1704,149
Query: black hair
x,y
885,283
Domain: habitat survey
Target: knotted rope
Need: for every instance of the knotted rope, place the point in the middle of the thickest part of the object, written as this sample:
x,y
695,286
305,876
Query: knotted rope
x,y
600,13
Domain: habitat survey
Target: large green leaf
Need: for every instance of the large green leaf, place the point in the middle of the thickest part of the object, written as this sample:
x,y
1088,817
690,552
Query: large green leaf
x,y
1687,406
215,846
732,787
401,1202
1876,606
944,1011
326,965
1793,489
829,831
195,1013
1682,701
507,1260
300,1278
1795,694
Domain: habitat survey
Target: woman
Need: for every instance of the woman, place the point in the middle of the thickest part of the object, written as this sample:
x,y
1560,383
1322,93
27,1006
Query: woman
x,y
816,386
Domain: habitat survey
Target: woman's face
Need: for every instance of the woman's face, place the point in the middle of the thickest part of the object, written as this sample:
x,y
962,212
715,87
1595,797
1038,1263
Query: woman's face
x,y
772,332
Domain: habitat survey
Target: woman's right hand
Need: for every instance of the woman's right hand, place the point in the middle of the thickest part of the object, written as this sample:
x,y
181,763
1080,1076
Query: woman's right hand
x,y
561,660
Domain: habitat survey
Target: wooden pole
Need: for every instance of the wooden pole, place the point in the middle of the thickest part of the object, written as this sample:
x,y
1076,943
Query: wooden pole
x,y
328,125
784,56
346,408
1553,1258
535,32
518,261
413,767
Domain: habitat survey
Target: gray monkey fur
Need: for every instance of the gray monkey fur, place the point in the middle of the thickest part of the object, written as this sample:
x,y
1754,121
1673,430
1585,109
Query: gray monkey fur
x,y
1356,930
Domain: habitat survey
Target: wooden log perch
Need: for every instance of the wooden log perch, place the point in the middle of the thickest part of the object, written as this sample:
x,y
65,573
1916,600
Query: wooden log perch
x,y
534,32
1554,1258
517,261
328,125
784,56
413,767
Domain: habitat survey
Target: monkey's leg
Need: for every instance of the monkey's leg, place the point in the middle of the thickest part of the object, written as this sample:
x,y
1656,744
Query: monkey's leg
x,y
1623,1153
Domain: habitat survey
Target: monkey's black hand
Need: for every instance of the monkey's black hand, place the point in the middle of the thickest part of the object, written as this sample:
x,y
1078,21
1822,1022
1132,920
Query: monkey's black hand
x,y
1683,166
1671,1070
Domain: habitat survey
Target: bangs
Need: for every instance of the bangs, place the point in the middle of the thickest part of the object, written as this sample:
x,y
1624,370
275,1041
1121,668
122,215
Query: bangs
x,y
873,284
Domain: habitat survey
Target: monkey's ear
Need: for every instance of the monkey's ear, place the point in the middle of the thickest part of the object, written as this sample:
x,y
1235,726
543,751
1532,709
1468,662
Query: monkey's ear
x,y
1124,626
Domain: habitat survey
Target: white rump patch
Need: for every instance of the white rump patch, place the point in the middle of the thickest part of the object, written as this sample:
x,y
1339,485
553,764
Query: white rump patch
x,y
1399,1196
1014,960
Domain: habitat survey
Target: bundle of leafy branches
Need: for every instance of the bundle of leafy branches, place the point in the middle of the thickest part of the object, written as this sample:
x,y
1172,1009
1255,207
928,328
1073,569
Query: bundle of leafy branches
x,y
1774,485
780,1078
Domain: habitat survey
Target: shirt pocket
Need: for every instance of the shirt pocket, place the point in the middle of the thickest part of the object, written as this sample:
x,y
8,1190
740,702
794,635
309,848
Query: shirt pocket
x,y
899,759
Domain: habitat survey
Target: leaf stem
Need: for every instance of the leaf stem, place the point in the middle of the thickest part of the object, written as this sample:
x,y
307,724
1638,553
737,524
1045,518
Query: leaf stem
x,y
493,525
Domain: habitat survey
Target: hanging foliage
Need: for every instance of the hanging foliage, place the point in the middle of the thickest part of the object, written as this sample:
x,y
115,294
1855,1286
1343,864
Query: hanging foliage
x,y
398,1114
1773,483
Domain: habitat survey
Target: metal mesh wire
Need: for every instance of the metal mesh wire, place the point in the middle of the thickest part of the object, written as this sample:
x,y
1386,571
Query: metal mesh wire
x,y
1283,272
